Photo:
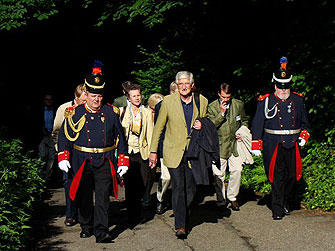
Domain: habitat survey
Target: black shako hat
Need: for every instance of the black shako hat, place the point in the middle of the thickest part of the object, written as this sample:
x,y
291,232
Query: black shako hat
x,y
94,82
282,77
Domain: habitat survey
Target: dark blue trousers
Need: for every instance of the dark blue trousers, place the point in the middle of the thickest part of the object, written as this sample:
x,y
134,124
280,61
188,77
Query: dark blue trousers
x,y
183,191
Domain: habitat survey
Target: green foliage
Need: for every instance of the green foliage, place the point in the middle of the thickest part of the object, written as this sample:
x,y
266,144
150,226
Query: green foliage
x,y
21,190
153,12
319,173
14,14
157,70
254,177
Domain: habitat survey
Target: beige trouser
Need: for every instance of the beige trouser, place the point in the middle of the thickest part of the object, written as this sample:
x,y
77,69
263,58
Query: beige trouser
x,y
164,182
235,168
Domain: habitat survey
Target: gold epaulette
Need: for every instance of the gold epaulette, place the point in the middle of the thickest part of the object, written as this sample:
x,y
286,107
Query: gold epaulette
x,y
76,127
262,97
70,111
299,94
115,109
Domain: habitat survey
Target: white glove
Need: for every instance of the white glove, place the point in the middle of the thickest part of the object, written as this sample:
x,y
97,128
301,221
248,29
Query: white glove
x,y
302,142
122,170
64,165
256,152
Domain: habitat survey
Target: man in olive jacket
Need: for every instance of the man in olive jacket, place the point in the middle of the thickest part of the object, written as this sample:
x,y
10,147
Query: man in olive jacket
x,y
228,115
179,113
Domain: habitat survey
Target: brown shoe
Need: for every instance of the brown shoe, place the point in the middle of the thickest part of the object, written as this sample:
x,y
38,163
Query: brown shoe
x,y
69,222
181,233
234,205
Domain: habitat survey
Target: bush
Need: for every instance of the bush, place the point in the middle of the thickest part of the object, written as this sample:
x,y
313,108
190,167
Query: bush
x,y
254,177
319,173
21,190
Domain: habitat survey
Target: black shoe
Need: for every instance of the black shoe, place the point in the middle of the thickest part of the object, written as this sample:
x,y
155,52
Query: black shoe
x,y
69,222
234,205
86,233
104,238
160,209
277,217
287,210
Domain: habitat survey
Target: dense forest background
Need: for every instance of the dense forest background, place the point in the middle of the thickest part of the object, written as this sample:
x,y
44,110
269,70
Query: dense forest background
x,y
48,47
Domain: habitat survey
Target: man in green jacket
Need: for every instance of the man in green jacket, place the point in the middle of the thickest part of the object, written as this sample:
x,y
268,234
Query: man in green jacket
x,y
122,100
228,115
179,114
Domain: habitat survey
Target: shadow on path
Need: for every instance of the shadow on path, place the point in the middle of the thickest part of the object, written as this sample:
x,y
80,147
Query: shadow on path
x,y
43,228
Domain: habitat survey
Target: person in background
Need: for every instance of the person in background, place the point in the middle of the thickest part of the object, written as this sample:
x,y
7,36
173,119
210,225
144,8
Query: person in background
x,y
71,212
122,100
46,148
153,100
179,114
228,115
137,123
279,128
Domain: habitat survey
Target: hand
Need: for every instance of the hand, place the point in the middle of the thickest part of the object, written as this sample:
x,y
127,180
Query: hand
x,y
256,152
197,125
238,137
302,142
152,160
121,170
64,165
223,107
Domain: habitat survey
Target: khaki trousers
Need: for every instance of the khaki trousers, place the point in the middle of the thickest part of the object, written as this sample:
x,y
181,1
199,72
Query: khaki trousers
x,y
235,168
164,182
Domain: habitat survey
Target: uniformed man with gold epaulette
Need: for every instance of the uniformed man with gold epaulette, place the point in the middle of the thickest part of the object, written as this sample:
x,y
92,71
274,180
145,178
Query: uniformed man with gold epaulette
x,y
280,127
89,136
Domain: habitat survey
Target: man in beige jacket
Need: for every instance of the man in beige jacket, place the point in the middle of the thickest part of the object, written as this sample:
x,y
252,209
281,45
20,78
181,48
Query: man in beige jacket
x,y
79,98
179,113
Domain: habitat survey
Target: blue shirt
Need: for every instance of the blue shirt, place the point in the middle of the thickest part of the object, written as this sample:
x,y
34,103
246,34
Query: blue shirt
x,y
48,119
188,113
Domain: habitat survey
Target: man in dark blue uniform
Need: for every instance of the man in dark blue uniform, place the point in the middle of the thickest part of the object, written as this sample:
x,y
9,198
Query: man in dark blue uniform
x,y
280,127
89,135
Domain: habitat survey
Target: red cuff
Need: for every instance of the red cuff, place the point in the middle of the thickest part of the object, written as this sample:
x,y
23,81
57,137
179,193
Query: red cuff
x,y
63,156
257,145
123,160
305,135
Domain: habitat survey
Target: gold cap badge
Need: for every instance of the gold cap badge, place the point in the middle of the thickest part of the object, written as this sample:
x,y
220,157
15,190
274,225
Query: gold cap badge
x,y
96,80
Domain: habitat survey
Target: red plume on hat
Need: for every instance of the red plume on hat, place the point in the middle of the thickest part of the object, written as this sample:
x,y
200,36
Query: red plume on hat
x,y
97,67
283,63
94,82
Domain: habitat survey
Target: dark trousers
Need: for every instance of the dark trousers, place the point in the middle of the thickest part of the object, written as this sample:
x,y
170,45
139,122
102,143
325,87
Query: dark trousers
x,y
100,180
71,210
137,185
183,191
284,178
